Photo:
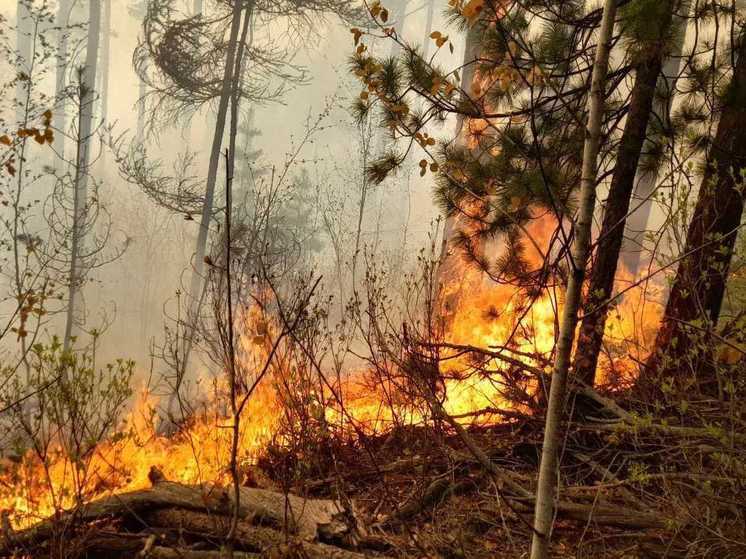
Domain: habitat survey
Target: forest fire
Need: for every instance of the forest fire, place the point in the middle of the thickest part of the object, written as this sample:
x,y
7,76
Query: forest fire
x,y
486,317
372,280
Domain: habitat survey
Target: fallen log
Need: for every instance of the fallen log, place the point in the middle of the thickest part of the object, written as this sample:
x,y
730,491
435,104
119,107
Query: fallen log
x,y
602,515
309,519
128,545
159,552
254,538
434,492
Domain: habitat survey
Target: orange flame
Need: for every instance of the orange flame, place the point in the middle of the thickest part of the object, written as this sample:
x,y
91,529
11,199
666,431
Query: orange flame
x,y
486,315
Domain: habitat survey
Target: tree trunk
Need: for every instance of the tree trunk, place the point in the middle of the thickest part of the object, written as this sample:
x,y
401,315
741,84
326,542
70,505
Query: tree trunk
x,y
428,28
610,238
197,282
217,142
447,263
642,198
82,161
24,50
63,20
105,61
544,512
699,285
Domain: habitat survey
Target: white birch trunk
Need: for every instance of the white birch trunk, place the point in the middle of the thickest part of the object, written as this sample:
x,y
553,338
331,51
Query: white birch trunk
x,y
60,117
82,162
104,60
428,29
545,492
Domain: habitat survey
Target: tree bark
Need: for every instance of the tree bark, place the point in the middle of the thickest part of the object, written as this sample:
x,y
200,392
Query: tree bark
x,y
217,142
603,272
82,162
197,281
254,538
642,198
309,519
24,50
60,122
105,60
700,281
448,263
544,512
428,28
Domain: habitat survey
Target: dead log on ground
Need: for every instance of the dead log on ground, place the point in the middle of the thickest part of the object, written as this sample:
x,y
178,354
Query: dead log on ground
x,y
308,519
254,538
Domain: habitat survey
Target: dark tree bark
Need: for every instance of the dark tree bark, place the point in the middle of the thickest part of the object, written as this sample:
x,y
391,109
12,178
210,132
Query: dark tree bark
x,y
610,238
700,281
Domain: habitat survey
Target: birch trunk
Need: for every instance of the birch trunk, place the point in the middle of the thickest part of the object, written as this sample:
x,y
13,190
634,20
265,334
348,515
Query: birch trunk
x,y
105,62
544,512
82,162
428,28
63,20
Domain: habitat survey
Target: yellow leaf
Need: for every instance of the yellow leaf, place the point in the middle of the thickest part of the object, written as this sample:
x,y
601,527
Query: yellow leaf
x,y
472,10
5,139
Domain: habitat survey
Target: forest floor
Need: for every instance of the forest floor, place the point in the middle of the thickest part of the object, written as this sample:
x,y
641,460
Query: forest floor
x,y
629,488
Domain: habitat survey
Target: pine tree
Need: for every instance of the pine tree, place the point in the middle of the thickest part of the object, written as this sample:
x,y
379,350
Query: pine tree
x,y
517,158
648,29
698,288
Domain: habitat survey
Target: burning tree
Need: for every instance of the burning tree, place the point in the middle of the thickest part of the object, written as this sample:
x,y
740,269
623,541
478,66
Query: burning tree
x,y
411,417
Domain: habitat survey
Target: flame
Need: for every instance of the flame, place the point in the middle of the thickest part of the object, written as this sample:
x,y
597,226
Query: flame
x,y
485,315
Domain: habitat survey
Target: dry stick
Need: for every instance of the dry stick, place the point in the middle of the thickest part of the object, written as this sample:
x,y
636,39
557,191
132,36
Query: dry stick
x,y
235,431
544,511
500,474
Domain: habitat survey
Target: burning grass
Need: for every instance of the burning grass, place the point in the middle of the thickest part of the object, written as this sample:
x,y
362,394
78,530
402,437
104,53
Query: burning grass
x,y
491,335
